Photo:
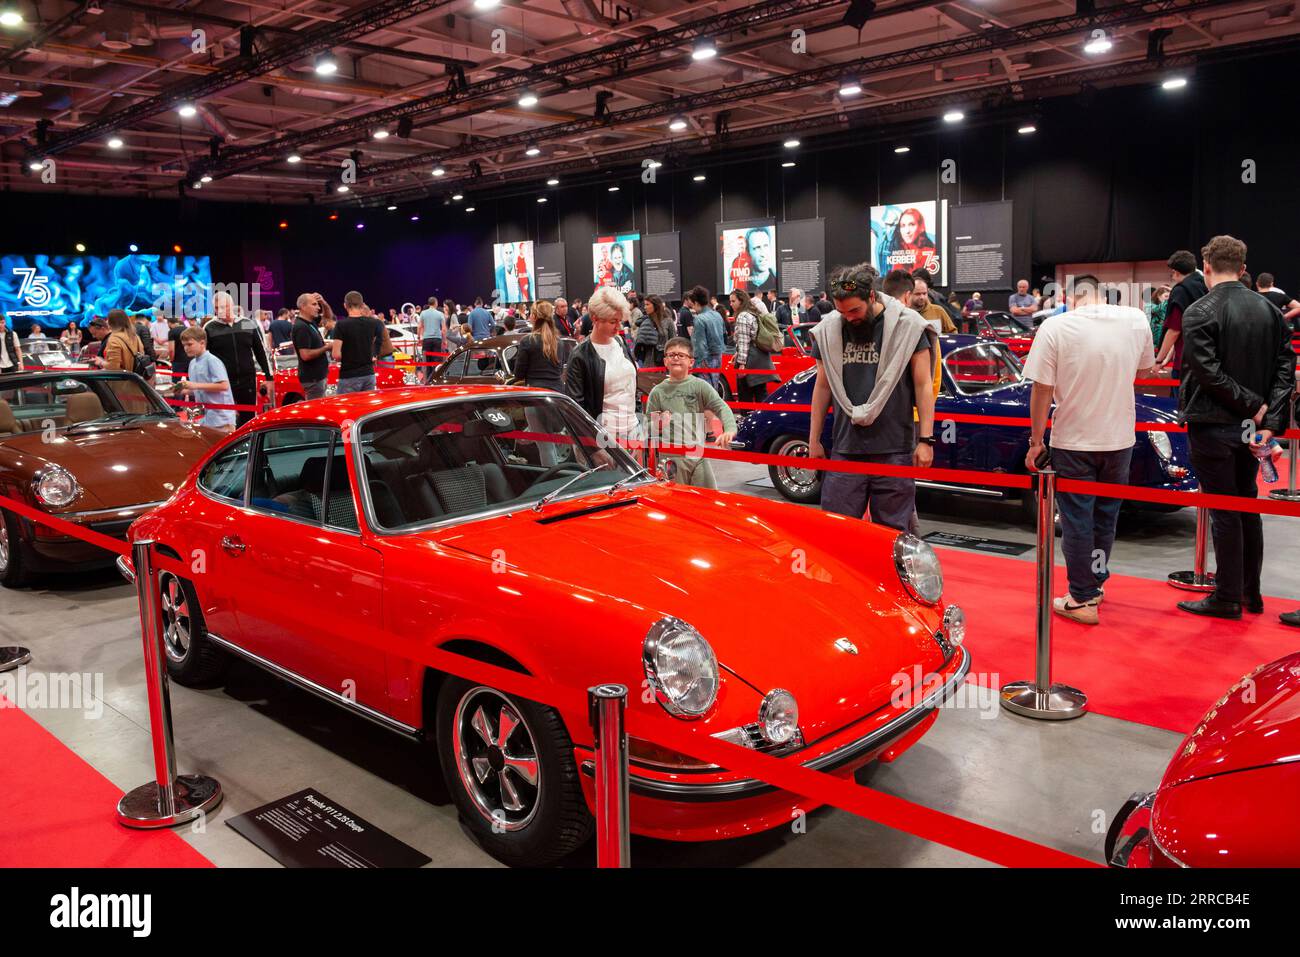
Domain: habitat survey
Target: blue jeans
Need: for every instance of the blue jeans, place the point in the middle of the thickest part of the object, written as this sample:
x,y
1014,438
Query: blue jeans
x,y
712,378
892,499
313,390
1087,521
362,383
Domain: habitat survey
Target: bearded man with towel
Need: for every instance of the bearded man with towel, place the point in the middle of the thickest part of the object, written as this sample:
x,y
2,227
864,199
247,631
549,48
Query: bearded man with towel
x,y
875,361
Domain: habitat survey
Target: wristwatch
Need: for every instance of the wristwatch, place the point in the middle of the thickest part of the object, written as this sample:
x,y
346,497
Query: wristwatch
x,y
928,439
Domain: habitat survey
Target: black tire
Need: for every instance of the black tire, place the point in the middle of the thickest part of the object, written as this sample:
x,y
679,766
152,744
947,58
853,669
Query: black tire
x,y
192,660
553,819
789,482
13,560
724,389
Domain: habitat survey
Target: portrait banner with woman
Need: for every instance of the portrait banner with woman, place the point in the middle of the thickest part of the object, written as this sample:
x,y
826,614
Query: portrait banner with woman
x,y
614,262
908,236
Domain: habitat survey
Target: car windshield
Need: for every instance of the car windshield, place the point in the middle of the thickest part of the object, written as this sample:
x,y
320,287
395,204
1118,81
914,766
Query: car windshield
x,y
73,402
983,367
452,460
1005,324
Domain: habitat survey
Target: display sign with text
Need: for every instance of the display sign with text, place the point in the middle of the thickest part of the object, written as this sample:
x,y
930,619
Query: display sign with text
x,y
661,269
981,245
802,256
549,271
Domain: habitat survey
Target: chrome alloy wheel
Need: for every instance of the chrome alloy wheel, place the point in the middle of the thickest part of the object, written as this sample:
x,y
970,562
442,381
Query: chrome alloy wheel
x,y
177,620
4,545
497,759
797,481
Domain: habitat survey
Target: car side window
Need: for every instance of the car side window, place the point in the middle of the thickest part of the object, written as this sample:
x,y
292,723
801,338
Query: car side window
x,y
456,365
224,476
484,362
289,472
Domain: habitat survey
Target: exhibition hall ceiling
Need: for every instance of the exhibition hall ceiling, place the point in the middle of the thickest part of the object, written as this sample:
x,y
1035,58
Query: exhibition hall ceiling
x,y
286,101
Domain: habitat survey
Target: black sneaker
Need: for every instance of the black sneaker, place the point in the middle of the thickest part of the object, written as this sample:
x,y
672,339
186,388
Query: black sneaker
x,y
1291,618
1254,605
1213,608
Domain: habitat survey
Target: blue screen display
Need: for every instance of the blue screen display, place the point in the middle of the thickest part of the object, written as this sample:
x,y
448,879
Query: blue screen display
x,y
56,290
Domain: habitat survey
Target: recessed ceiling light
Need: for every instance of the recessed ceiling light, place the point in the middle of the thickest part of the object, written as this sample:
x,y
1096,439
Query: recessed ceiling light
x,y
613,189
35,165
391,208
361,225
1099,43
699,177
486,4
198,184
1174,83
704,50
954,116
457,197
11,18
553,181
469,209
284,224
527,98
902,149
187,110
541,199
341,189
439,171
791,143
381,134
678,122
787,164
294,158
415,219
532,150
850,88
205,178
133,248
1027,129
81,247
326,65
115,143
653,164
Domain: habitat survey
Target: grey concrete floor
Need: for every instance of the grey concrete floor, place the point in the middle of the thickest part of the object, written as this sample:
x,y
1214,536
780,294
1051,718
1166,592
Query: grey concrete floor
x,y
1056,784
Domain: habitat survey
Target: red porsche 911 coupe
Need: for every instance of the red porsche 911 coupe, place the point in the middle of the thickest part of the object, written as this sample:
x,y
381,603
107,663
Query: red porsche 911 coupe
x,y
530,542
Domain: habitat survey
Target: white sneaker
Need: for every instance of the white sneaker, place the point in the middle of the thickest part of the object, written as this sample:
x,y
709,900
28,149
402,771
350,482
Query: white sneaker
x,y
1083,612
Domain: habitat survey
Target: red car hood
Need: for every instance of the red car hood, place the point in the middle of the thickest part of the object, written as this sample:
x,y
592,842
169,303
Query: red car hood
x,y
707,558
1256,724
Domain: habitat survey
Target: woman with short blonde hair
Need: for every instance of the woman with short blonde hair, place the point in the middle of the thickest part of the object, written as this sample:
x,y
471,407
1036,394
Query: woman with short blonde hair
x,y
600,374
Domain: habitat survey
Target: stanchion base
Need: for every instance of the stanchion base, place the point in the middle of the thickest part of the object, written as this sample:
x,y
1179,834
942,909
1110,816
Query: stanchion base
x,y
1285,495
13,657
1057,704
1190,581
195,794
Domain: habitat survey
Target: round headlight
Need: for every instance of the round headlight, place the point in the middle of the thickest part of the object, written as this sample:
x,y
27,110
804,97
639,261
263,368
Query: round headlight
x,y
918,567
1160,442
954,625
681,667
56,487
778,716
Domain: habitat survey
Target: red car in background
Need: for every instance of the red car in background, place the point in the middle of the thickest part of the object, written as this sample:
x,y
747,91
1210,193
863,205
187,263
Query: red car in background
x,y
789,362
289,390
1229,796
362,508
1016,332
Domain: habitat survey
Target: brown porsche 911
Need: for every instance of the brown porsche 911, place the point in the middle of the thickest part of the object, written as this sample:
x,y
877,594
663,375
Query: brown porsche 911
x,y
95,448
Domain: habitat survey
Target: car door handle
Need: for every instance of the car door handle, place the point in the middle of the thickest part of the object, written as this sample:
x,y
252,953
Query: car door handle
x,y
233,545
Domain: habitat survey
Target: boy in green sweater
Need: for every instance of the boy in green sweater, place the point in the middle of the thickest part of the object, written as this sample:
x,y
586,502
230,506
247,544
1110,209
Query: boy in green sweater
x,y
677,414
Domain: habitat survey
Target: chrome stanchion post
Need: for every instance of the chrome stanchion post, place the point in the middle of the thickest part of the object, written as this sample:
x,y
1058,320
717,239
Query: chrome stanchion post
x,y
170,799
1198,579
606,704
1290,493
1040,698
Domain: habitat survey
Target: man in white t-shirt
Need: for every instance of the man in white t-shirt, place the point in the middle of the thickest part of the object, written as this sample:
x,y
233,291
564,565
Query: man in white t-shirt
x,y
1087,358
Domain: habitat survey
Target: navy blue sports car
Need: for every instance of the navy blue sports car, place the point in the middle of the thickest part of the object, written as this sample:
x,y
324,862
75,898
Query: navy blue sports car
x,y
980,377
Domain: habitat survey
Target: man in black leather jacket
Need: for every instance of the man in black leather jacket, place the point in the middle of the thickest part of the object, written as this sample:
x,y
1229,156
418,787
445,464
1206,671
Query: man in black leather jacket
x,y
1238,376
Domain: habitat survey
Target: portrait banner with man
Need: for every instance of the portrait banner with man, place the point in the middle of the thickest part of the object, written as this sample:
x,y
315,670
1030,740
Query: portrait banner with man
x,y
514,272
747,257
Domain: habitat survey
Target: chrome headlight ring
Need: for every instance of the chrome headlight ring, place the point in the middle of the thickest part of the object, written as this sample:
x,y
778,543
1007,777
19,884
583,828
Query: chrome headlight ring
x,y
681,667
918,568
55,487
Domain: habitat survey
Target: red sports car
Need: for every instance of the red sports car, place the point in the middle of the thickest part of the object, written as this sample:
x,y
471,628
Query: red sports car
x,y
1016,331
1229,796
288,389
498,523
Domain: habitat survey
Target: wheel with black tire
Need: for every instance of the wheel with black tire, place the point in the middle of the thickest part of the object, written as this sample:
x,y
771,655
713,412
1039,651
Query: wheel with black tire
x,y
13,570
796,484
509,766
191,658
724,389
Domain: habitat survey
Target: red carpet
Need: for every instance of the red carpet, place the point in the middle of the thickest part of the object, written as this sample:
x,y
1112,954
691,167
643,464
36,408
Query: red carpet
x,y
1146,662
58,811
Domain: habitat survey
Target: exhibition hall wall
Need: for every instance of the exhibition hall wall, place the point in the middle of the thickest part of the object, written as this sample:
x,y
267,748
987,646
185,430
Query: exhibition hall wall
x,y
1082,192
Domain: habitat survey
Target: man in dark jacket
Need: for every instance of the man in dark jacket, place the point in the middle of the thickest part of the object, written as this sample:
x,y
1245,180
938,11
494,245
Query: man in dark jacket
x,y
1238,376
241,347
1189,286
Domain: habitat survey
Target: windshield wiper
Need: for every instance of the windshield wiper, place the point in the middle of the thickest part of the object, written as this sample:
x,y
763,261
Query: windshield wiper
x,y
550,496
627,478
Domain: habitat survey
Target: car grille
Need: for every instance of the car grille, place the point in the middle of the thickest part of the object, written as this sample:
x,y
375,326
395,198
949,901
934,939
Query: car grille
x,y
759,743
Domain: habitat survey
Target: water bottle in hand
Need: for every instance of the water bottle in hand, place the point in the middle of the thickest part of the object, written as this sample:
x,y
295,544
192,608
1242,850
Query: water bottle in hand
x,y
1265,455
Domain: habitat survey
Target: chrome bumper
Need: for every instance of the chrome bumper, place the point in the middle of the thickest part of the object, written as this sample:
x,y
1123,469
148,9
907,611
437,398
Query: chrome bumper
x,y
124,569
844,754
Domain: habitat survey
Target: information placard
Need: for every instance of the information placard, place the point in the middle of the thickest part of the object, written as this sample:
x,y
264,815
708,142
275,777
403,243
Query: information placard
x,y
661,257
802,256
981,244
550,271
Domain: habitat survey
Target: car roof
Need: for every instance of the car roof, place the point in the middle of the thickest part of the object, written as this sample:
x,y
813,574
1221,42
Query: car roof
x,y
338,409
500,342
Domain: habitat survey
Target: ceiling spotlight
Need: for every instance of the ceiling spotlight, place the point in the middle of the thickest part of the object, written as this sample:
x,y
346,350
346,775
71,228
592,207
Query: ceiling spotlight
x,y
197,184
486,4
284,224
361,225
553,181
653,164
541,199
704,50
186,110
954,116
341,188
326,65
527,98
699,177
1174,83
333,216
613,189
133,248
791,144
35,165
415,219
10,17
439,171
902,149
457,197
1027,129
533,150
678,122
391,208
293,158
81,247
115,143
1098,43
381,134
205,178
850,87
787,164
469,209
